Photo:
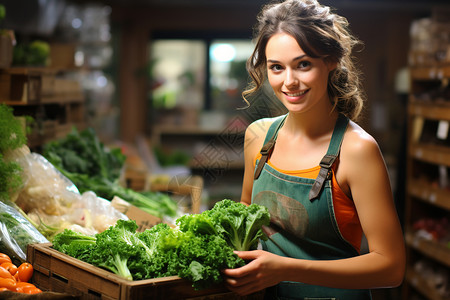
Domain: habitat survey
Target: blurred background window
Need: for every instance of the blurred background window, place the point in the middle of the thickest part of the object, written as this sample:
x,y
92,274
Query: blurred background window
x,y
178,73
181,68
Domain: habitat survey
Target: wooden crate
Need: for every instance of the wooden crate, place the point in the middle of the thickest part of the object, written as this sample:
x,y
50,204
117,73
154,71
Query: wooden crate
x,y
57,272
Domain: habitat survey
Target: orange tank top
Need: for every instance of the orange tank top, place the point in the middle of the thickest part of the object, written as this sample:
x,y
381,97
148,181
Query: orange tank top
x,y
344,208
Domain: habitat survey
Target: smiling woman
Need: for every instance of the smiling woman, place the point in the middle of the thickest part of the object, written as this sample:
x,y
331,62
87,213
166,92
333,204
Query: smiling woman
x,y
321,176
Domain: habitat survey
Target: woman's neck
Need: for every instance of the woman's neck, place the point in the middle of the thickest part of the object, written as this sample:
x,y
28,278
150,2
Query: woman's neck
x,y
311,124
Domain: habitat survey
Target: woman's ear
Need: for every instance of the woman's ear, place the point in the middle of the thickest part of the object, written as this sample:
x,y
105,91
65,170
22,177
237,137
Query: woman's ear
x,y
331,64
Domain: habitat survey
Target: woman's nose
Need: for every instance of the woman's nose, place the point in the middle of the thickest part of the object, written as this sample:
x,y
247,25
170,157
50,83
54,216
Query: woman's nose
x,y
290,79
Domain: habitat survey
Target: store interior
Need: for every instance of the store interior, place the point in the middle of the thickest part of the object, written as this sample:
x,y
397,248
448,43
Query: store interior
x,y
162,80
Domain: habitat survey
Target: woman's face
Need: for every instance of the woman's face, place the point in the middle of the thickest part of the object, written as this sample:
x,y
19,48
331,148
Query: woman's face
x,y
299,81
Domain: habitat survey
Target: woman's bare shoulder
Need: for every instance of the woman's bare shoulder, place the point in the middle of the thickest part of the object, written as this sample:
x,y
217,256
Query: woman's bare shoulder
x,y
256,133
359,144
259,127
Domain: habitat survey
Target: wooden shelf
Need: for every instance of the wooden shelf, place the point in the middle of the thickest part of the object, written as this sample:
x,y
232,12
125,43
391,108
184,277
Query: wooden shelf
x,y
434,250
427,159
422,285
55,99
433,111
34,86
426,192
55,103
434,154
430,73
30,70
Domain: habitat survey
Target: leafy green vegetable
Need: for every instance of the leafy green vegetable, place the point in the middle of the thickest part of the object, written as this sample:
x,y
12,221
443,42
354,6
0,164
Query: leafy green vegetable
x,y
156,252
12,136
203,256
165,204
74,244
115,247
83,153
238,224
91,166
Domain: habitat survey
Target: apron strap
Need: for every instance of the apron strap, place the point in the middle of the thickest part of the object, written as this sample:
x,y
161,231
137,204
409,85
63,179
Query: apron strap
x,y
329,158
269,142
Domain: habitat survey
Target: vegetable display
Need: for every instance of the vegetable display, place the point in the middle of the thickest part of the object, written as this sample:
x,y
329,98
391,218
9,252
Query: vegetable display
x,y
92,166
188,251
41,197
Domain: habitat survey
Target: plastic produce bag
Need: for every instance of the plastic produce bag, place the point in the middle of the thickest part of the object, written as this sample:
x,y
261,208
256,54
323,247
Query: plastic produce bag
x,y
44,187
89,215
53,203
16,232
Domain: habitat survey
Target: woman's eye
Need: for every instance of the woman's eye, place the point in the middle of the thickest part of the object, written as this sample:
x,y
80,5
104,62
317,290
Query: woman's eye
x,y
275,68
304,64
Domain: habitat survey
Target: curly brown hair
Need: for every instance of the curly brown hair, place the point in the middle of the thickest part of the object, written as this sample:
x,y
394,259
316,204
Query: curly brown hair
x,y
321,34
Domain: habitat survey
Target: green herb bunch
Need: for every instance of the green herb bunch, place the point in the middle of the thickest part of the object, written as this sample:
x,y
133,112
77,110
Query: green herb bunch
x,y
12,136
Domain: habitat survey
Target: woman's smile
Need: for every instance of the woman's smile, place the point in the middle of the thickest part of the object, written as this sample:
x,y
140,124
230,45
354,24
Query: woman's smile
x,y
295,96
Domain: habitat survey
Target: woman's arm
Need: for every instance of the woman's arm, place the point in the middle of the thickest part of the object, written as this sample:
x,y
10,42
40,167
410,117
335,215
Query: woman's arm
x,y
362,172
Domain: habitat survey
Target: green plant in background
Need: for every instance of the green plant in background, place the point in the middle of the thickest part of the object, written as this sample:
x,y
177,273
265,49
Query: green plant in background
x,y
4,31
7,42
2,12
2,19
91,166
169,157
35,53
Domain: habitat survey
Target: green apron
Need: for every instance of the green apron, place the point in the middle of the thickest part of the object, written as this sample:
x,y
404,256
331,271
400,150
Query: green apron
x,y
303,224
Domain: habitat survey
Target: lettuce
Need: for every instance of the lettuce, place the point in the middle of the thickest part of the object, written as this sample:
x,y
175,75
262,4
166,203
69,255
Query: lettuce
x,y
239,225
198,249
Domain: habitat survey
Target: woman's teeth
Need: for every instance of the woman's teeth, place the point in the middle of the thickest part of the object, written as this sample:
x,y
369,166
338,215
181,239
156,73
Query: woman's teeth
x,y
296,94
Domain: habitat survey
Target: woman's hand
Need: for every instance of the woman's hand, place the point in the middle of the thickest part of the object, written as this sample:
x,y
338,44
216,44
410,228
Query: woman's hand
x,y
261,272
